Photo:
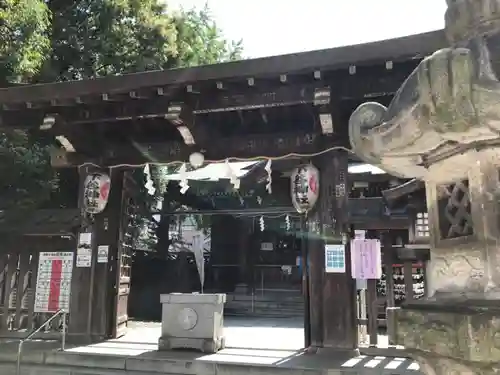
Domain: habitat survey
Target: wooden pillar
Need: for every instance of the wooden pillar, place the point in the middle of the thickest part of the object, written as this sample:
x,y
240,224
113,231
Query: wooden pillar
x,y
408,277
108,229
371,297
388,261
305,281
332,295
253,253
80,300
242,248
91,287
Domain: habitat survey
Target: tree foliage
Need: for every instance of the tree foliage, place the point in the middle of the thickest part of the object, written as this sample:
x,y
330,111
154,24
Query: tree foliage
x,y
92,38
27,177
24,39
199,40
58,40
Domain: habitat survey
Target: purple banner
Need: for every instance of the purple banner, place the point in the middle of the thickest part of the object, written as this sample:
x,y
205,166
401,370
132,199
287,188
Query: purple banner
x,y
366,259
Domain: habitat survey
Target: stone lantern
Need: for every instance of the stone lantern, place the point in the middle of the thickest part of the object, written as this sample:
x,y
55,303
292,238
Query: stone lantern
x,y
443,127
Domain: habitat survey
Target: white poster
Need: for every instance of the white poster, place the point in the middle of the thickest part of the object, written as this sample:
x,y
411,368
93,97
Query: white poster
x,y
83,257
53,284
85,239
335,258
102,253
359,234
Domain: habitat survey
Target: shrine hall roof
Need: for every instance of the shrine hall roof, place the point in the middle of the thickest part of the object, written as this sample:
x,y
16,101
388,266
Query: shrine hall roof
x,y
399,49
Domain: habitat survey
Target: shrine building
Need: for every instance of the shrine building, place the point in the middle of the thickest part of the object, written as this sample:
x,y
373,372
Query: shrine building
x,y
261,118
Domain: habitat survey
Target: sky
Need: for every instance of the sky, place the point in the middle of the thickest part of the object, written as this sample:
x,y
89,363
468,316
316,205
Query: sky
x,y
275,27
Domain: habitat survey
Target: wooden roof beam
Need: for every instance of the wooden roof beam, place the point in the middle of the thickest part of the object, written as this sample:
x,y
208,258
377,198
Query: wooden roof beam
x,y
399,49
244,147
366,83
69,139
345,87
192,131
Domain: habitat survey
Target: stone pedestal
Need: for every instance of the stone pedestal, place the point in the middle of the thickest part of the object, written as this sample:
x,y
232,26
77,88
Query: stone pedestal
x,y
455,336
443,127
456,328
192,321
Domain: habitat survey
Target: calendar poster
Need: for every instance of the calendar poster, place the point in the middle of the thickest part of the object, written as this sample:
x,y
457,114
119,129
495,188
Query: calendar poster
x,y
53,284
335,258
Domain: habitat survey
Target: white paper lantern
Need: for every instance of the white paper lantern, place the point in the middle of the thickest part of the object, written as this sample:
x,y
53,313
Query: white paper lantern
x,y
96,192
305,187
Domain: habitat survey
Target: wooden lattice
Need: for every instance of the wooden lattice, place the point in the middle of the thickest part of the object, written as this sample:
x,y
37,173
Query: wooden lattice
x,y
455,218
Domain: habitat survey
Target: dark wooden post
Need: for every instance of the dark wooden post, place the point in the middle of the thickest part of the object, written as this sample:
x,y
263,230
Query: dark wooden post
x,y
388,261
80,300
108,227
90,309
371,297
408,277
243,254
305,281
332,295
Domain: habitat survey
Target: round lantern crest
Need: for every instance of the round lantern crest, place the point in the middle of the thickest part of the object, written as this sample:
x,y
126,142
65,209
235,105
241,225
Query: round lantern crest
x,y
305,187
96,192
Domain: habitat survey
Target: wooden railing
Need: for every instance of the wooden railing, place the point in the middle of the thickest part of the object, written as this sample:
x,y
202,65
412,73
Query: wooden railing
x,y
402,282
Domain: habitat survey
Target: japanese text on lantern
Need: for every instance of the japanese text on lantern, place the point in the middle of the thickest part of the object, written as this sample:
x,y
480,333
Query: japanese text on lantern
x,y
53,284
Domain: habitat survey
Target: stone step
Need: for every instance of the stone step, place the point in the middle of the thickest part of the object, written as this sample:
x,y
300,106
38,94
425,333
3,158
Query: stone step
x,y
266,305
265,298
189,363
262,311
264,314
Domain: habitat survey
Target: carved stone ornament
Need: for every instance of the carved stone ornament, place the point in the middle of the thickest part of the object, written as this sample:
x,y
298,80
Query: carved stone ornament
x,y
443,127
96,192
448,106
305,187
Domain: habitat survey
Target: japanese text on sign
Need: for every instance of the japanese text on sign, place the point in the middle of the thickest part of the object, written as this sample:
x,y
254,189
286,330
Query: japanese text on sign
x,y
366,259
53,284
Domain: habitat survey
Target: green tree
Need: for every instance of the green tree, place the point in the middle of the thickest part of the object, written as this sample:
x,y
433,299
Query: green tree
x,y
27,178
200,41
92,38
24,39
